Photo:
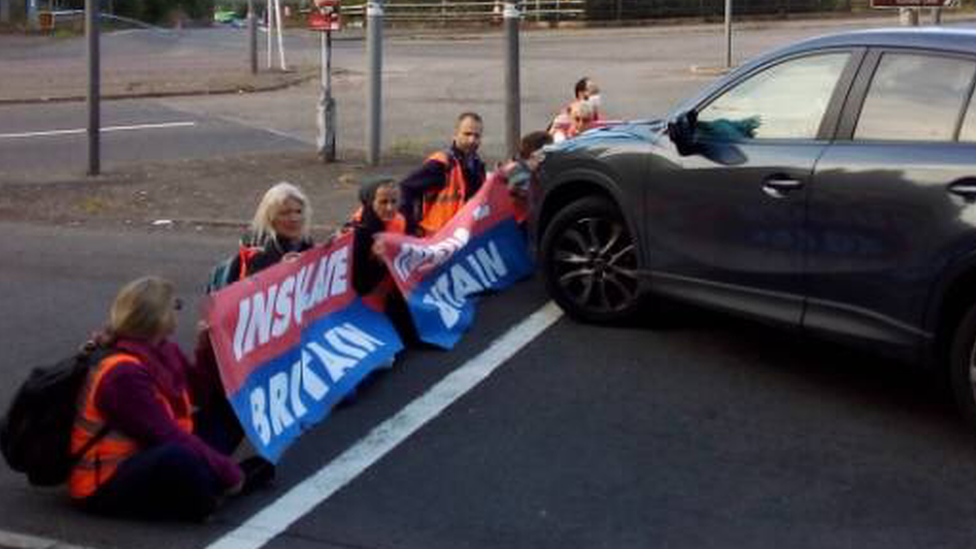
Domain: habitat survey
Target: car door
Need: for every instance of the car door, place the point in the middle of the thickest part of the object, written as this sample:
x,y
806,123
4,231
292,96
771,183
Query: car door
x,y
724,222
892,199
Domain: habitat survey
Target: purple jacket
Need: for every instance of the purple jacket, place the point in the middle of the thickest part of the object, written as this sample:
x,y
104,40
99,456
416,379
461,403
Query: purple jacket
x,y
127,398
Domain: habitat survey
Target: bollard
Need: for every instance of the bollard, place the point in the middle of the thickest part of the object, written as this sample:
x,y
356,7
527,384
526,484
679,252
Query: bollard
x,y
94,87
374,80
326,109
252,37
513,100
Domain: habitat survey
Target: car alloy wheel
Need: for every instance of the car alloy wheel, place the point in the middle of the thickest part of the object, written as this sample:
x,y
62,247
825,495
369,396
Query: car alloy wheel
x,y
591,261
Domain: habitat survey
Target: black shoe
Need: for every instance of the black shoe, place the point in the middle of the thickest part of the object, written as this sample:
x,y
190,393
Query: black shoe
x,y
258,473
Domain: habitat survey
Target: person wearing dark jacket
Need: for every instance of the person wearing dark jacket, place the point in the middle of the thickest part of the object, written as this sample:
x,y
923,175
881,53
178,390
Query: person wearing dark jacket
x,y
279,230
152,456
435,192
377,213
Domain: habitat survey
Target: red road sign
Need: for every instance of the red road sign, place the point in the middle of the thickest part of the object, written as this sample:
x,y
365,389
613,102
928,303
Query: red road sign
x,y
324,21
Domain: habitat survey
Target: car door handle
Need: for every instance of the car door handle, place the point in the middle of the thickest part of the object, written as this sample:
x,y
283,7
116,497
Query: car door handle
x,y
777,187
965,188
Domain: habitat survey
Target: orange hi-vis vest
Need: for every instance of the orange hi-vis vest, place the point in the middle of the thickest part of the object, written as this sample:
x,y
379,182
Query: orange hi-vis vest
x,y
396,225
440,206
100,462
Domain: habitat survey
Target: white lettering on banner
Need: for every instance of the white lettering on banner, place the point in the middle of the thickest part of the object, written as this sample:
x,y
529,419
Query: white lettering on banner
x,y
411,256
275,409
451,289
269,314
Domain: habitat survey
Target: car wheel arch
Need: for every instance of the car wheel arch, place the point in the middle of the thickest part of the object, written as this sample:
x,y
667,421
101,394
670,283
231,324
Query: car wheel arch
x,y
576,187
949,300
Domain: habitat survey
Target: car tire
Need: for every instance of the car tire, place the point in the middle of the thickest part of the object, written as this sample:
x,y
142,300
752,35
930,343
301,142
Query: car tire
x,y
589,262
962,366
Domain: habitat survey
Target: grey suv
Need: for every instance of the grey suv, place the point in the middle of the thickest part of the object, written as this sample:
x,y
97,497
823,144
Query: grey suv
x,y
828,186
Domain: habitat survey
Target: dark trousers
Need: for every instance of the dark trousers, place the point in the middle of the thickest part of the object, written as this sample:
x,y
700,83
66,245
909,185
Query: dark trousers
x,y
170,481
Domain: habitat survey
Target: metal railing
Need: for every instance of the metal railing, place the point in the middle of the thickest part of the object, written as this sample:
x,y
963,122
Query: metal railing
x,y
471,10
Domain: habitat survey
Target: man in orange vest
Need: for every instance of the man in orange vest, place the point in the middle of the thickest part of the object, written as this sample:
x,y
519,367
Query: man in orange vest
x,y
435,192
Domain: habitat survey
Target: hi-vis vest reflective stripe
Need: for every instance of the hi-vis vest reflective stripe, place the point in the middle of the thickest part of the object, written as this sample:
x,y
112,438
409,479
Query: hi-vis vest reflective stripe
x,y
440,206
100,462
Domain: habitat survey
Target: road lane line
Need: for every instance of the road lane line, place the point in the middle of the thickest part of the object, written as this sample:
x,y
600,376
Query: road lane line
x,y
302,498
14,540
106,129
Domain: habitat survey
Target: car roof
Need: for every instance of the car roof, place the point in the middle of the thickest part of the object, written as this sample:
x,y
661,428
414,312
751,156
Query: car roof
x,y
958,39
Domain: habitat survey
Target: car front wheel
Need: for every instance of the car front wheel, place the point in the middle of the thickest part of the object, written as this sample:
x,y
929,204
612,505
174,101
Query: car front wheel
x,y
589,260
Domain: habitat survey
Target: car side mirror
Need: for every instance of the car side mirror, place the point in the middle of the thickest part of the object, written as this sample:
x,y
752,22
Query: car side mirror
x,y
681,129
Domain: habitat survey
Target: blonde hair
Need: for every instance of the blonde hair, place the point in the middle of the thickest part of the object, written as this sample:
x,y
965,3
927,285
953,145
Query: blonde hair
x,y
262,226
143,309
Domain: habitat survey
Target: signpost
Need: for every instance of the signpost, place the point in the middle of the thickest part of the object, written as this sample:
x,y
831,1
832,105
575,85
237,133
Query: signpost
x,y
325,18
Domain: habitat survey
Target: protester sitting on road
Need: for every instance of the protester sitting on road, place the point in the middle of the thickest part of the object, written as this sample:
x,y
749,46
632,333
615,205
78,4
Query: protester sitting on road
x,y
279,230
581,119
447,179
586,91
154,456
379,199
520,172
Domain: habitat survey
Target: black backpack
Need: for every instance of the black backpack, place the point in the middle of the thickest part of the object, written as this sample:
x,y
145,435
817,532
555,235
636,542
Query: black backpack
x,y
35,433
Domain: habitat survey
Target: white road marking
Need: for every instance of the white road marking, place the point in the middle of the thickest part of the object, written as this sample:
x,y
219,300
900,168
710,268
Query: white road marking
x,y
106,129
302,498
13,540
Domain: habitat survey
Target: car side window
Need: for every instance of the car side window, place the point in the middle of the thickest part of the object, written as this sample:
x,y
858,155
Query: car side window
x,y
915,97
968,130
785,101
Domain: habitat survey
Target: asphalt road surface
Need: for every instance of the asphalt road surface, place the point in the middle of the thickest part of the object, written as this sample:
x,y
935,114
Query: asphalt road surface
x,y
427,81
53,139
685,429
696,431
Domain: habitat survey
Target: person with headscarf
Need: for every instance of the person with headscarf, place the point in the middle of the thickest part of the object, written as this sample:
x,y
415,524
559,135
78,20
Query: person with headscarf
x,y
378,212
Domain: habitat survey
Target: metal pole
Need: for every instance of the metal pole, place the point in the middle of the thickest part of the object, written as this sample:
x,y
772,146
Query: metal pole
x,y
728,34
281,29
32,23
374,82
326,118
269,19
513,100
94,87
252,37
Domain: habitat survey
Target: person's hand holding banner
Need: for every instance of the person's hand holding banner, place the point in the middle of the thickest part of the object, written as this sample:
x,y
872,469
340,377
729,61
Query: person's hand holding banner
x,y
482,249
293,340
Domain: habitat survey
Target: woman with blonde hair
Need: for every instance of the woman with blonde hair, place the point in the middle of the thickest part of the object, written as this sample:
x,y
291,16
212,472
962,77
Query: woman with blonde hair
x,y
280,229
138,406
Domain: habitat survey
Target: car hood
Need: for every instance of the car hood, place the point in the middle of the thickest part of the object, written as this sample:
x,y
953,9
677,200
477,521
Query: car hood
x,y
644,130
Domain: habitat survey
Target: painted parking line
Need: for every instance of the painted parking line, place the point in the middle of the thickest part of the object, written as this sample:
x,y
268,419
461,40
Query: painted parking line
x,y
302,498
107,129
